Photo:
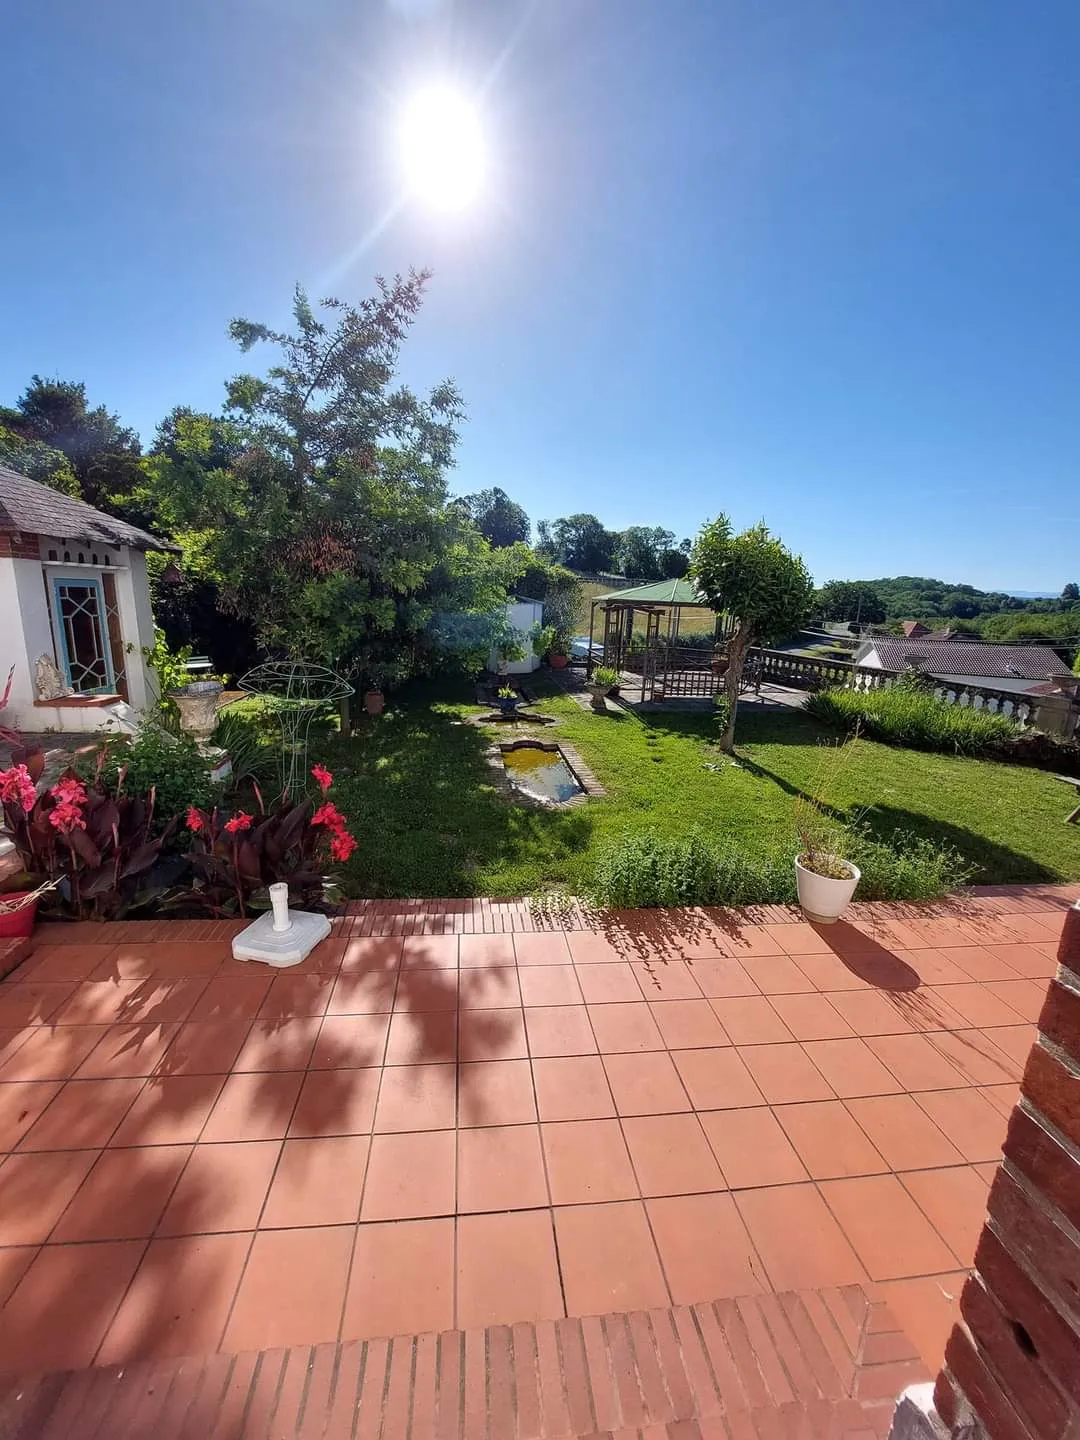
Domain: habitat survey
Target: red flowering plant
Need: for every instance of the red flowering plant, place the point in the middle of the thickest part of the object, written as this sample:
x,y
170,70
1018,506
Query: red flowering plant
x,y
96,845
236,856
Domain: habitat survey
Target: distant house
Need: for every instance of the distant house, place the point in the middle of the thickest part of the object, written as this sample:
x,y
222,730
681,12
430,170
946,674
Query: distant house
x,y
1025,669
75,604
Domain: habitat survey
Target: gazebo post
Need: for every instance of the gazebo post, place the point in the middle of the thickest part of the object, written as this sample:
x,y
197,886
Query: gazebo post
x,y
592,626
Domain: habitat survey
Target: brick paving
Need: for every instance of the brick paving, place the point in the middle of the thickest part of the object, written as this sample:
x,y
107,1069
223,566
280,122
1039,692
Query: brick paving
x,y
461,1116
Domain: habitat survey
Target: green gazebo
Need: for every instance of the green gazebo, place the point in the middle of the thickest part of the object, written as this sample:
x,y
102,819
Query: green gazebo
x,y
666,667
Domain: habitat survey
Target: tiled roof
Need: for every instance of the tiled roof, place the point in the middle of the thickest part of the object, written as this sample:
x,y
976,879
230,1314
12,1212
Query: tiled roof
x,y
35,509
968,657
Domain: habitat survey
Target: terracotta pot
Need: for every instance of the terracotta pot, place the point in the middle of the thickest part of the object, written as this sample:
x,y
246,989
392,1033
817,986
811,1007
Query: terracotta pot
x,y
17,924
556,660
374,702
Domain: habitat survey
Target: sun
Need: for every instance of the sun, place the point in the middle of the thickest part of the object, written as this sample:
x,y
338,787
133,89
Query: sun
x,y
442,148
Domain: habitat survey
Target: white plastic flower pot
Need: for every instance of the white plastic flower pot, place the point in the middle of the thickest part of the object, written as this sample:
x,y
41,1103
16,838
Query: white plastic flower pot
x,y
822,898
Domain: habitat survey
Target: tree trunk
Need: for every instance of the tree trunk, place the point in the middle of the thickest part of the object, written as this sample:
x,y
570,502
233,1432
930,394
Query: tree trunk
x,y
740,643
345,715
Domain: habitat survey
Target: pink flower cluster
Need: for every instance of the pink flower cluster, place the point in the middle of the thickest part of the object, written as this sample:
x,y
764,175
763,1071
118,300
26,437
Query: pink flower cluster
x,y
342,844
17,788
67,814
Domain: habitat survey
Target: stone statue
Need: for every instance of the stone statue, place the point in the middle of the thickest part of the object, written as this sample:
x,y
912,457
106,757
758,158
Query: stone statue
x,y
48,682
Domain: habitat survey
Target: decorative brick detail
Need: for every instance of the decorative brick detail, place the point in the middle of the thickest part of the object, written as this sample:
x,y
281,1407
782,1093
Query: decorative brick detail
x,y
1049,1167
1069,945
1027,1384
15,545
979,1391
1054,1090
1060,1018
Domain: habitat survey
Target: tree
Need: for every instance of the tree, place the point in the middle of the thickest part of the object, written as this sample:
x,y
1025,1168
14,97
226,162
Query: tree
x,y
850,600
1071,592
674,564
104,454
639,550
497,517
756,579
39,461
579,542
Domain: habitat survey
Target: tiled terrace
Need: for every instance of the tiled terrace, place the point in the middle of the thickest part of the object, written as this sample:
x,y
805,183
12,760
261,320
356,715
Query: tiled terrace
x,y
495,1123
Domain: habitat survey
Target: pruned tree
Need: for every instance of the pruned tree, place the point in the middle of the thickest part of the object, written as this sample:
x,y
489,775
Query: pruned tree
x,y
757,580
498,518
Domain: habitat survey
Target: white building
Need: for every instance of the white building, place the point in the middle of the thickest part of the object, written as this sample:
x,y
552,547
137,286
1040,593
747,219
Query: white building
x,y
1021,668
522,616
74,595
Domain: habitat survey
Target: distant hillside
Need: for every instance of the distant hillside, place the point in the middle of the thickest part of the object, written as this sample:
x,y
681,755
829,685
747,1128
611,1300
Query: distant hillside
x,y
917,597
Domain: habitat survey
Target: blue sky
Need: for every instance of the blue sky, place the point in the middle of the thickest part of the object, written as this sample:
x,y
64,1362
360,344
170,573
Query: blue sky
x,y
807,262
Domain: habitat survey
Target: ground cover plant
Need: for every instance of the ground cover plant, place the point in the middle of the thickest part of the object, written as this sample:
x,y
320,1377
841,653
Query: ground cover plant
x,y
911,716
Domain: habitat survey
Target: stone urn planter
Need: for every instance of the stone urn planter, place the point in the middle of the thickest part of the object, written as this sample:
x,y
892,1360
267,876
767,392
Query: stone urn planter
x,y
824,898
198,704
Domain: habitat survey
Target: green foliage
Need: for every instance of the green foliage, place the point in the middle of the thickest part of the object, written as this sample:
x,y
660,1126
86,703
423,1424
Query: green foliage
x,y
497,517
908,715
579,542
153,759
856,600
39,461
606,676
253,748
170,668
640,550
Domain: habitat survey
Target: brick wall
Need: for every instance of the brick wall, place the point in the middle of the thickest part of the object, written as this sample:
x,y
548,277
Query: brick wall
x,y
17,546
1012,1365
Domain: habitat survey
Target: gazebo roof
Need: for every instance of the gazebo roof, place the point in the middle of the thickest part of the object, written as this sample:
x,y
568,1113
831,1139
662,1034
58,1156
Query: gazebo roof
x,y
661,592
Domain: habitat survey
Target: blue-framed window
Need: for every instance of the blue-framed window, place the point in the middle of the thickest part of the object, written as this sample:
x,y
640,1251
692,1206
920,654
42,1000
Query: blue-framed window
x,y
83,634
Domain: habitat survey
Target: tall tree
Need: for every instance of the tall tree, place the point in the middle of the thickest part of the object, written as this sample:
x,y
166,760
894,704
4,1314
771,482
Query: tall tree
x,y
38,460
1071,592
497,517
639,551
758,581
579,541
855,600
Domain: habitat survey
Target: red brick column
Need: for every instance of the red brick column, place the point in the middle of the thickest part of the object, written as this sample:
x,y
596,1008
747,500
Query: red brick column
x,y
1012,1366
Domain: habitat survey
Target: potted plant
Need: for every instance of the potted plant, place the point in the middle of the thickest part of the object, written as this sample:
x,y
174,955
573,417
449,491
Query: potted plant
x,y
508,699
825,879
604,678
557,657
18,911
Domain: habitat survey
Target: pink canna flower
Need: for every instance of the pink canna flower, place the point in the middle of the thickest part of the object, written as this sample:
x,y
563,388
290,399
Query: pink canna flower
x,y
240,821
17,788
323,776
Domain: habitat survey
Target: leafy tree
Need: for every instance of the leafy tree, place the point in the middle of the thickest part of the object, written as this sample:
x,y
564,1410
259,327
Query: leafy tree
x,y
639,550
850,600
497,517
756,579
104,455
674,564
1071,592
37,460
578,541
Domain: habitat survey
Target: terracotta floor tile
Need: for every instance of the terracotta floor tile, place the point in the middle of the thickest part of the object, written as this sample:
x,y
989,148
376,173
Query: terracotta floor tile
x,y
506,1269
126,1051
83,1115
492,1035
801,938
750,1020
549,985
915,1061
21,1102
542,949
430,952
336,1102
704,1248
420,991
58,1314
666,980
828,1140
688,1024
1004,1098
1015,1040
495,1092
293,996
751,1147
954,1201
750,940
317,1182
573,1087
799,1242
609,983
621,1028
561,1030
485,950
1026,997
14,1263
810,1017
967,1119
977,1006
205,1047
417,1097
162,960
500,1167
352,1041
717,1079
851,1068
587,1161
977,1060
179,1299
671,1155
96,1002
292,1290
278,1045
938,967
29,1002
254,1107
926,1009
430,1037
828,972
926,1308
222,1188
493,988
66,962
902,1132
35,1189
231,997
169,1110
402,1279
359,992
124,1195
723,979
776,974
785,1074
591,947
645,1084
47,1054
1024,960
370,953
608,1258
869,1013
890,1234
410,1176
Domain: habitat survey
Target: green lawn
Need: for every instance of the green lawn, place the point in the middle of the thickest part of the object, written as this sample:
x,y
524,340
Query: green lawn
x,y
416,788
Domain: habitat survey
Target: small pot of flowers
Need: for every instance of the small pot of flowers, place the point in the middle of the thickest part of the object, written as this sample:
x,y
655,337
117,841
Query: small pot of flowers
x,y
605,680
509,699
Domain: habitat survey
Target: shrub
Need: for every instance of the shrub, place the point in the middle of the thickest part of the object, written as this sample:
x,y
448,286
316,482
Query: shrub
x,y
152,759
908,715
606,676
646,872
1036,747
255,756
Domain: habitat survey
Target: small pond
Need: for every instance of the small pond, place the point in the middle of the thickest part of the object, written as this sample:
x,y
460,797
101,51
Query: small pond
x,y
541,772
